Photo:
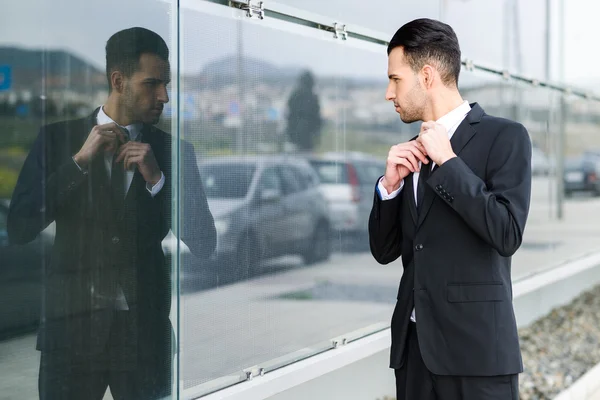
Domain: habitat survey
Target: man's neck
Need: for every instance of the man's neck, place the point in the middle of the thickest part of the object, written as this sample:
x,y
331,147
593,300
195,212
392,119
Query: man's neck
x,y
444,103
112,109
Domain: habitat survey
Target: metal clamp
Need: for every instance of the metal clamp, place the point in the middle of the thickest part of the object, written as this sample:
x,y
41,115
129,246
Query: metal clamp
x,y
249,375
339,31
469,65
253,10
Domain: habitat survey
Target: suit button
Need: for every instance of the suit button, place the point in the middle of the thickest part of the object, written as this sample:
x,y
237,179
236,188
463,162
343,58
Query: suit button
x,y
439,187
115,239
419,247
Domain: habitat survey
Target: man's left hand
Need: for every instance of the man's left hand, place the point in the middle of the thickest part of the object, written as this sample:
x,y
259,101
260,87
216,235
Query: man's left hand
x,y
140,154
434,138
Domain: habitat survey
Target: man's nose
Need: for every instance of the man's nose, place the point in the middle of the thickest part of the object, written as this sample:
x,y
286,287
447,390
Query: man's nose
x,y
390,94
163,95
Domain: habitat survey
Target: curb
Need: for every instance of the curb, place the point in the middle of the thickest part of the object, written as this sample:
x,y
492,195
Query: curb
x,y
584,387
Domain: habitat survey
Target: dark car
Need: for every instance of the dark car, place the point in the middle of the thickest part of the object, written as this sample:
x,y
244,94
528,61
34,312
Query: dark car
x,y
266,207
21,269
582,174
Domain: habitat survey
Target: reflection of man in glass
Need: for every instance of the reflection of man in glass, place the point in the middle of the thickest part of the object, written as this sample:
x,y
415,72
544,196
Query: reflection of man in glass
x,y
106,182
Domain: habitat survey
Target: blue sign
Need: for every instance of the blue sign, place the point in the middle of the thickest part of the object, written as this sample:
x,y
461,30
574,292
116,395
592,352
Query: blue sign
x,y
234,108
272,114
5,77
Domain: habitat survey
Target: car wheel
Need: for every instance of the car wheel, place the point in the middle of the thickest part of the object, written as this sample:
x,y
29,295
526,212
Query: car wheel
x,y
319,247
247,256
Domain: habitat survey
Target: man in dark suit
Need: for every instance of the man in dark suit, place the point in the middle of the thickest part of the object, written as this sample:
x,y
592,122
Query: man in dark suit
x,y
453,203
106,180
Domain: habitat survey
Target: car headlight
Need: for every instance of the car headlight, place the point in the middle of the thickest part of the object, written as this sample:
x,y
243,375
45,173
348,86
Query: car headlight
x,y
222,226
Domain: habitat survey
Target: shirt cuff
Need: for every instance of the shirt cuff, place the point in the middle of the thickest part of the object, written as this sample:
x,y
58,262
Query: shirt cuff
x,y
158,187
83,171
384,195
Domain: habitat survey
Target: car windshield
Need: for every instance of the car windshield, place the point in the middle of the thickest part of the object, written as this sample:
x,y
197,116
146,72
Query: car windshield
x,y
227,181
331,171
574,163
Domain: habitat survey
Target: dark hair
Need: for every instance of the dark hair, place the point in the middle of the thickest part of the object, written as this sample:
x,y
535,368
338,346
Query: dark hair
x,y
124,48
427,41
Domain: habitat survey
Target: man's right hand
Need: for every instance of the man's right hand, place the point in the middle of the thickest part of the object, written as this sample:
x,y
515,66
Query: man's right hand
x,y
102,138
402,159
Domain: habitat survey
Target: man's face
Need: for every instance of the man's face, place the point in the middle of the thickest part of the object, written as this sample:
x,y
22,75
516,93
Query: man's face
x,y
145,91
405,88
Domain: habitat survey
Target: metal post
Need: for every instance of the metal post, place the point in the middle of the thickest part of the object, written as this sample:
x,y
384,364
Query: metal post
x,y
562,134
560,165
549,143
240,83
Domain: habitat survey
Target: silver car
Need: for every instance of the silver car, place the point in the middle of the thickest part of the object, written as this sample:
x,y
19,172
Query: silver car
x,y
348,182
265,207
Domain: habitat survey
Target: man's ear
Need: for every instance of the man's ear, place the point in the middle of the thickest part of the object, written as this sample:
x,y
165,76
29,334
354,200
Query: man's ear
x,y
428,76
117,81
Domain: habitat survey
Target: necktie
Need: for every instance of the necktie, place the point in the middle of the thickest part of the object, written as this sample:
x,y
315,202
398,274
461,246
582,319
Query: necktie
x,y
117,177
423,175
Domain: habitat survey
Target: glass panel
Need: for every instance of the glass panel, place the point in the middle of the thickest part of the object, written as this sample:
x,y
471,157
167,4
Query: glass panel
x,y
259,112
514,33
85,291
381,15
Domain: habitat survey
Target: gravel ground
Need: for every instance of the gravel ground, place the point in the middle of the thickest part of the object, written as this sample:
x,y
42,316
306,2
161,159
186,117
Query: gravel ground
x,y
560,347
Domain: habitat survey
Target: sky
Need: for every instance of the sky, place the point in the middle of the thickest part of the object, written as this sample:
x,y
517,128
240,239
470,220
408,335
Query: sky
x,y
210,31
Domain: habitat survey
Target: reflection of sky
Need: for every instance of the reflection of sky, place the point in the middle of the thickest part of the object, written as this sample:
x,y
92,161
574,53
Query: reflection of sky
x,y
84,26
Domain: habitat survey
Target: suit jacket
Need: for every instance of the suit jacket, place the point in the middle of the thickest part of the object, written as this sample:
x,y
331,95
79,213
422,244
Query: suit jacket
x,y
98,246
457,250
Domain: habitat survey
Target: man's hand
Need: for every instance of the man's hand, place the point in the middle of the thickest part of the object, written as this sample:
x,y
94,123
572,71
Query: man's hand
x,y
434,138
140,154
402,159
102,138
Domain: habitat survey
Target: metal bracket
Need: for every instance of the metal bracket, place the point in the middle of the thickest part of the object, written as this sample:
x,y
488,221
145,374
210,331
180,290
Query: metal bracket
x,y
253,10
339,31
469,65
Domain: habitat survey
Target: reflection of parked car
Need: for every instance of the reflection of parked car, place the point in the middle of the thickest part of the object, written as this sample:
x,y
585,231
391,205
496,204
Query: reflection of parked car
x,y
348,182
266,207
582,174
21,269
540,164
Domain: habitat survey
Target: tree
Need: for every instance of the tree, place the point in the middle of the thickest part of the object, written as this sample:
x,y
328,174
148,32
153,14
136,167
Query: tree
x,y
304,114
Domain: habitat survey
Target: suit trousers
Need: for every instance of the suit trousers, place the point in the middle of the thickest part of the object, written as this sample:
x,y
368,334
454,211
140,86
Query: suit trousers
x,y
415,382
131,373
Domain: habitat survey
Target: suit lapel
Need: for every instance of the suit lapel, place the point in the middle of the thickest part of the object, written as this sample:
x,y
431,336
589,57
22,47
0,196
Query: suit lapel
x,y
98,184
463,134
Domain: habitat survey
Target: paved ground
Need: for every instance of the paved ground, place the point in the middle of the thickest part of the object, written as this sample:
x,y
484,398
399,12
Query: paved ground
x,y
289,308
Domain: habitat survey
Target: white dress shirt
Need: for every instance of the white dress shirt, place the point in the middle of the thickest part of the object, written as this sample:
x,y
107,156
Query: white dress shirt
x,y
135,134
450,121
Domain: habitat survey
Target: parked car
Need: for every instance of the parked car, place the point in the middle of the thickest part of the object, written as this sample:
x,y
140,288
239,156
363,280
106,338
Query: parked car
x,y
348,182
582,174
265,207
540,163
21,276
21,269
